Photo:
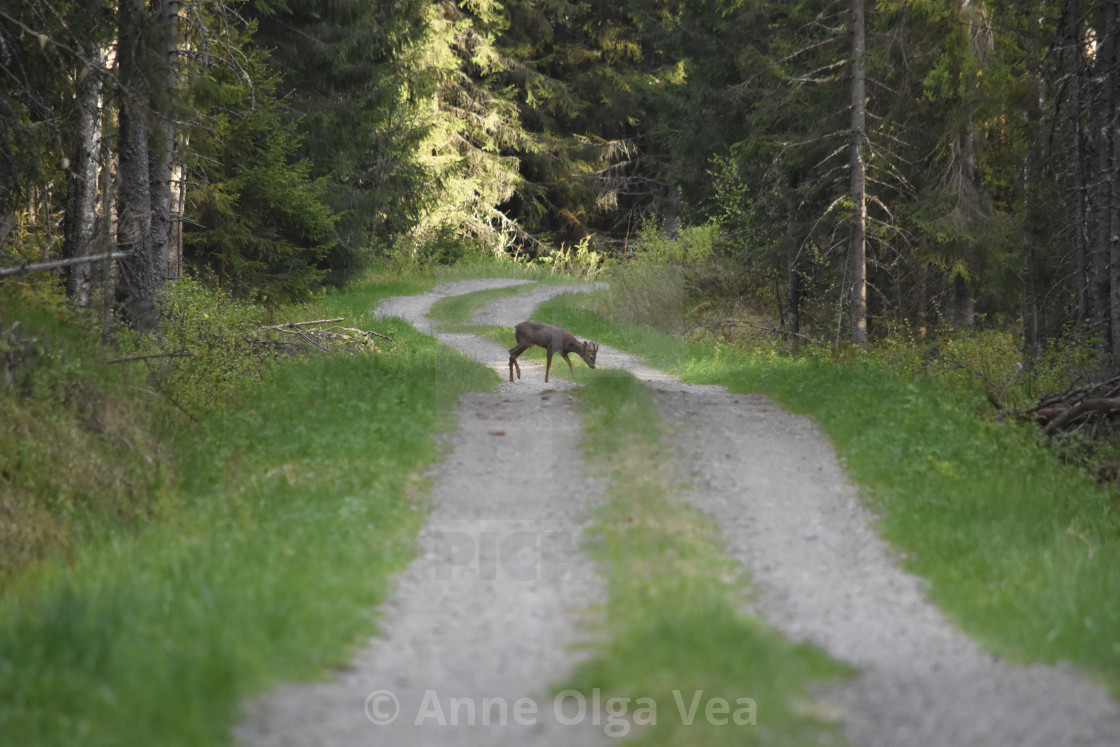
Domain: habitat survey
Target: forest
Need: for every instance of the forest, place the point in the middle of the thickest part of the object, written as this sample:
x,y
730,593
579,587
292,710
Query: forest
x,y
853,169
897,221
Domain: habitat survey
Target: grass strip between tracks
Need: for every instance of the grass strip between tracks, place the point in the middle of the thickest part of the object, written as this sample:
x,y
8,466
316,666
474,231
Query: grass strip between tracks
x,y
680,663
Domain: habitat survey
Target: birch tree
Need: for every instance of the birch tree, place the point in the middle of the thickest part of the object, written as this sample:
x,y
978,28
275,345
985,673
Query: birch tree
x,y
857,248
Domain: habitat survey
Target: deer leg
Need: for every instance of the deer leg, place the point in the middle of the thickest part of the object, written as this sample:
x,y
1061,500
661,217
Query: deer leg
x,y
513,353
569,360
548,365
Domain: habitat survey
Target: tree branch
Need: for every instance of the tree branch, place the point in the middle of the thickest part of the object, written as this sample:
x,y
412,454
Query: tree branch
x,y
1082,407
24,268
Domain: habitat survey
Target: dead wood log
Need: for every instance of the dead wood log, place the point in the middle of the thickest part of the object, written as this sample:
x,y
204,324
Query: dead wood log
x,y
306,339
150,355
292,325
1085,406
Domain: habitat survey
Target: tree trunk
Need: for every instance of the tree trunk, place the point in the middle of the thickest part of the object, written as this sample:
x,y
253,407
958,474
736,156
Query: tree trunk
x,y
1108,159
161,146
106,229
793,297
857,249
1101,280
142,271
81,199
792,311
671,228
962,304
962,307
1074,43
178,208
1114,233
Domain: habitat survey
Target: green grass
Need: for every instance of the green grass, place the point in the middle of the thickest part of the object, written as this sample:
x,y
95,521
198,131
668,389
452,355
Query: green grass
x,y
290,514
675,633
1021,550
72,429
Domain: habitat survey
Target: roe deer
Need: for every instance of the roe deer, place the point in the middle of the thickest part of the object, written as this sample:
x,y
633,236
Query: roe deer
x,y
552,339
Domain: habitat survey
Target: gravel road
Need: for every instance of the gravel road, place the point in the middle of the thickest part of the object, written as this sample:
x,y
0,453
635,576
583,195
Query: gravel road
x,y
501,591
492,610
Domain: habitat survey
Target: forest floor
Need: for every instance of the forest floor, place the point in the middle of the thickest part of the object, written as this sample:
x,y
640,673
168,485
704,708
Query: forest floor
x,y
493,611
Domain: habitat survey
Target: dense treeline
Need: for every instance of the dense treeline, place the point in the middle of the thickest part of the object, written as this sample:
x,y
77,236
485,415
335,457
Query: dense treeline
x,y
900,163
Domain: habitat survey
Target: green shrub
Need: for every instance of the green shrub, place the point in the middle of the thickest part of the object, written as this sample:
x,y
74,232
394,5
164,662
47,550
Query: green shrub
x,y
579,262
210,346
694,246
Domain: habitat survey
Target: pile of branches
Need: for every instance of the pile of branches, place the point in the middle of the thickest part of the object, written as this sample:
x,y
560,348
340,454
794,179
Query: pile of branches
x,y
1077,408
305,336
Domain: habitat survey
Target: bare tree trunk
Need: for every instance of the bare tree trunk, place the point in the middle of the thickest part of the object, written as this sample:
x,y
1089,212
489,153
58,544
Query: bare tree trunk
x,y
792,311
1114,232
161,146
106,229
178,207
671,229
922,313
1075,44
857,248
1099,279
142,271
962,308
1108,159
81,199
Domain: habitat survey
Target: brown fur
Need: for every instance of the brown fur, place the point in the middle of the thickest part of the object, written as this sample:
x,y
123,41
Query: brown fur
x,y
553,340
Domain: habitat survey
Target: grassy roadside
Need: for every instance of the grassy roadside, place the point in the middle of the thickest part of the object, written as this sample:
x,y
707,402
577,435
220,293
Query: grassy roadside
x,y
288,515
677,644
1021,550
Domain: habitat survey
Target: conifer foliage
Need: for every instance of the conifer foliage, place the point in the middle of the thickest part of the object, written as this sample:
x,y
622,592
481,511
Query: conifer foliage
x,y
275,145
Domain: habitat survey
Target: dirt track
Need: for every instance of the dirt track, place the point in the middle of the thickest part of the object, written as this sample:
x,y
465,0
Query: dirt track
x,y
501,589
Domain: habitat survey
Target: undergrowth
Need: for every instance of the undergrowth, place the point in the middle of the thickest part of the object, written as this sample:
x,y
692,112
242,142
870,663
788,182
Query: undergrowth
x,y
277,527
79,447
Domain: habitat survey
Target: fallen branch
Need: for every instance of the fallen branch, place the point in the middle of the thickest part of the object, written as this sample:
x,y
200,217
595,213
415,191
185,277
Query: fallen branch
x,y
378,334
151,355
325,339
293,325
24,268
1074,393
1081,408
304,338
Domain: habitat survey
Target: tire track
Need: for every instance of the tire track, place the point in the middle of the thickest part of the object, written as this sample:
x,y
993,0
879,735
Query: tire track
x,y
489,613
